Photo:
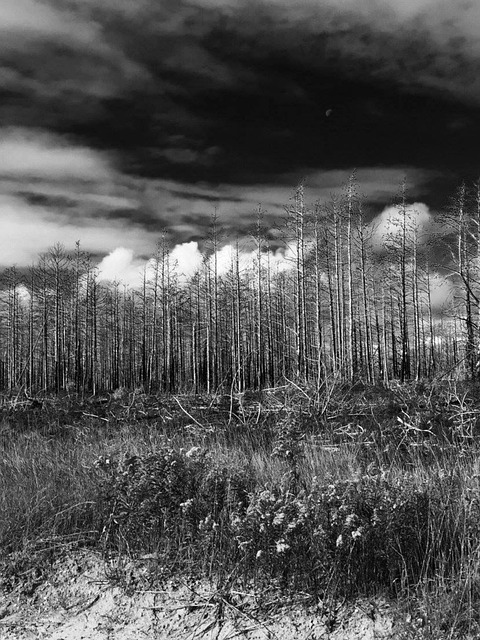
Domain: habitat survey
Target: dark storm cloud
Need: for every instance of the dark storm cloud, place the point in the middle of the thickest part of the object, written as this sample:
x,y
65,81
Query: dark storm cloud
x,y
142,218
254,80
214,198
84,212
153,115
42,200
238,92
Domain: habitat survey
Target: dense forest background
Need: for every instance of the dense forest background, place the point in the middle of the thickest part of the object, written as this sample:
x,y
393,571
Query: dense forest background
x,y
339,305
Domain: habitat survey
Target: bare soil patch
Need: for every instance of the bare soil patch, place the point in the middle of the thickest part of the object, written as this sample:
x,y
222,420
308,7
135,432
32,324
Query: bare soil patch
x,y
80,600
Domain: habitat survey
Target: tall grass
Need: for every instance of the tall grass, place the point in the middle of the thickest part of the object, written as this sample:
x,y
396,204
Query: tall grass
x,y
380,493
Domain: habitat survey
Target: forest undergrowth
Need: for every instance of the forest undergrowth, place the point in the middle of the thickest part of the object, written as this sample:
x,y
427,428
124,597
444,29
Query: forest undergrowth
x,y
343,492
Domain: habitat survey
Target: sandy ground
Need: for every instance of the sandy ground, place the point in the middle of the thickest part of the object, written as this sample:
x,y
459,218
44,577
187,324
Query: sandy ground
x,y
79,600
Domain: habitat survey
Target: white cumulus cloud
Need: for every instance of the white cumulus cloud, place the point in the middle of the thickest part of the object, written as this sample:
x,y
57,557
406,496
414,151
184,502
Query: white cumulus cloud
x,y
388,224
186,259
121,266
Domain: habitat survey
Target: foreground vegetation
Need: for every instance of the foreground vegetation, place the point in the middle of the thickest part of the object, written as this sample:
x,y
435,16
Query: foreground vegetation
x,y
341,493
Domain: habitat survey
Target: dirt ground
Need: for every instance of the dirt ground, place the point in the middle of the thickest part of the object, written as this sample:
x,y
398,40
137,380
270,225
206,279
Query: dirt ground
x,y
81,600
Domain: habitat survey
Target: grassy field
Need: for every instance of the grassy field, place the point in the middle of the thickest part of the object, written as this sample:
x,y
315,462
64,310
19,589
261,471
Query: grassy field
x,y
343,493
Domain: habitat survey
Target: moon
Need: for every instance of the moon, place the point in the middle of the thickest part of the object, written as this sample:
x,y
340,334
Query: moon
x,y
328,112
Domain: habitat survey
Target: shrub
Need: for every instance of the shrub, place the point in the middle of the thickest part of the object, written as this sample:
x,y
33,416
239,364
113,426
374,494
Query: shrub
x,y
143,497
172,502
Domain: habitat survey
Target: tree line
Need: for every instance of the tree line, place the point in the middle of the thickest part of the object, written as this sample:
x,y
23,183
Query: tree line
x,y
340,304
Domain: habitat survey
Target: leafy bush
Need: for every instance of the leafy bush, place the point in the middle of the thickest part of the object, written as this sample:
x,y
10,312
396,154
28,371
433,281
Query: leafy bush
x,y
171,500
143,496
381,531
362,533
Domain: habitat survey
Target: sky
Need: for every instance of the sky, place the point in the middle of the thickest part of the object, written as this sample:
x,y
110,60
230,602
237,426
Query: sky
x,y
121,120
